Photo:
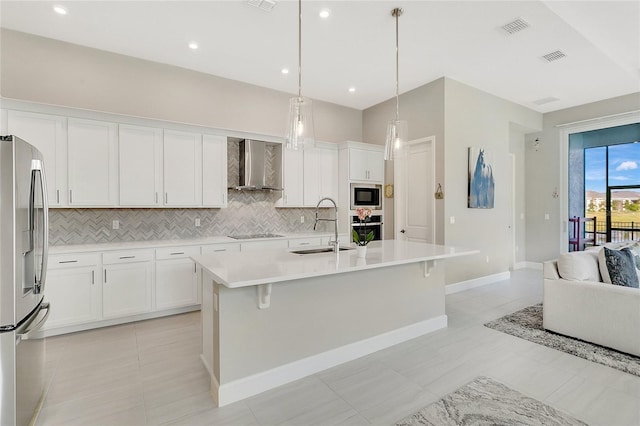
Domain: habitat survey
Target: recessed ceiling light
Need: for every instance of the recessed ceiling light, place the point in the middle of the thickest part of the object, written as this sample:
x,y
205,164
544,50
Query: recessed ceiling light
x,y
193,45
285,71
60,10
352,89
324,13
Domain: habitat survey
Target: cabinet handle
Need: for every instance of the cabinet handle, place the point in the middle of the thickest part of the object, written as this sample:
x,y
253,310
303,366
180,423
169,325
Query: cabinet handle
x,y
166,198
303,244
105,276
156,197
220,250
127,257
195,268
57,196
176,253
70,196
93,277
68,261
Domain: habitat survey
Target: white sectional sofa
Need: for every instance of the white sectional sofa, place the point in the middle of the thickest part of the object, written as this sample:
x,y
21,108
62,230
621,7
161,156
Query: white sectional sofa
x,y
578,304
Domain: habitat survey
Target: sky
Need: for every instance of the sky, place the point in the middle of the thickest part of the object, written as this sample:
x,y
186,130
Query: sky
x,y
624,166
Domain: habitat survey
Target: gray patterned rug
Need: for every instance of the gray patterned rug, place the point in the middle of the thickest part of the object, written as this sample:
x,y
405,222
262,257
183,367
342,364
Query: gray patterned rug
x,y
487,402
527,324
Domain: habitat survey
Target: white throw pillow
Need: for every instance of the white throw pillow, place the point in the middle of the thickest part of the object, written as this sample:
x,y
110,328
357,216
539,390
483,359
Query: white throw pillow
x,y
579,266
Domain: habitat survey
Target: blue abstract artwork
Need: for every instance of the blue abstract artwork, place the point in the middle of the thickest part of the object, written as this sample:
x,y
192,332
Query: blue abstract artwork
x,y
481,181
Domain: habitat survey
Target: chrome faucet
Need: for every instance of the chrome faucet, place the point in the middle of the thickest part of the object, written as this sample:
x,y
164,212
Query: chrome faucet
x,y
335,243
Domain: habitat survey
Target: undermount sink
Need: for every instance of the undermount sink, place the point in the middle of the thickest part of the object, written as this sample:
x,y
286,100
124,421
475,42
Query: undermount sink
x,y
318,250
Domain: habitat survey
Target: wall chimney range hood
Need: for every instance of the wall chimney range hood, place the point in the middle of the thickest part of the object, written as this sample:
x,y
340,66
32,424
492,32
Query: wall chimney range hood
x,y
257,173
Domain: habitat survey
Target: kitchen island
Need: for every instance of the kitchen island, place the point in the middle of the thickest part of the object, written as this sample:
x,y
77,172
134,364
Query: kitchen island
x,y
274,316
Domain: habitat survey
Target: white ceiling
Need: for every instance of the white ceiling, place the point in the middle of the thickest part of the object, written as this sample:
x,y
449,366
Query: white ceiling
x,y
355,45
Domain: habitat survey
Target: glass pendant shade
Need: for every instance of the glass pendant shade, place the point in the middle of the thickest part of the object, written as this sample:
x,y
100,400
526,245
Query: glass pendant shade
x,y
300,130
397,133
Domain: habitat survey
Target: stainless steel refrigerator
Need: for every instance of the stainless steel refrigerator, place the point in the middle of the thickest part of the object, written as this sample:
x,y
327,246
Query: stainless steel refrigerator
x,y
24,223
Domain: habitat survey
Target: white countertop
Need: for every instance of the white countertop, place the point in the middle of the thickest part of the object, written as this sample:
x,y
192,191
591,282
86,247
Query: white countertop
x,y
269,266
130,245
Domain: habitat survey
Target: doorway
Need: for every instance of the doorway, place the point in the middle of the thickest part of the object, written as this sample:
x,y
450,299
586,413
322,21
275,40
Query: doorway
x,y
414,177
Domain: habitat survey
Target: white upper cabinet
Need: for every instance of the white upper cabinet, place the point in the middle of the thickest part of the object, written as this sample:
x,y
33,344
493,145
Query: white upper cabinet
x,y
92,162
182,168
328,174
214,171
310,175
293,178
140,165
48,133
366,165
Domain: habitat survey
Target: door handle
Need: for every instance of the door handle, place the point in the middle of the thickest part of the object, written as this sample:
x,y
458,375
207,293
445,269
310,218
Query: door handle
x,y
403,231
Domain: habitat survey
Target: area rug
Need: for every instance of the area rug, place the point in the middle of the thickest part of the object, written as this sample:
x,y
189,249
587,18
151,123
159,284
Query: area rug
x,y
487,402
527,324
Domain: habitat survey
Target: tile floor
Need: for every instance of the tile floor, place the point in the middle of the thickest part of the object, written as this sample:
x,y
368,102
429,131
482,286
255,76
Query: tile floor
x,y
149,373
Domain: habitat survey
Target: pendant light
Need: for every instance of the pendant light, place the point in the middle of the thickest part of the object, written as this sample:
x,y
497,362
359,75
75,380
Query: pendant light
x,y
397,129
300,131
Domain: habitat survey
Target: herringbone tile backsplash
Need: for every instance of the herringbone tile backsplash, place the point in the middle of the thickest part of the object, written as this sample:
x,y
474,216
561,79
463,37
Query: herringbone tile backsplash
x,y
247,213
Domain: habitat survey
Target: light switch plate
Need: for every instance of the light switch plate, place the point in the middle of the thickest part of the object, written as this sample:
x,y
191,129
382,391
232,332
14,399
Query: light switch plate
x,y
115,224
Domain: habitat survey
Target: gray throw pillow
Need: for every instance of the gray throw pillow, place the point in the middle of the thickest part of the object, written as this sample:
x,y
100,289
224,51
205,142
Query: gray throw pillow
x,y
621,266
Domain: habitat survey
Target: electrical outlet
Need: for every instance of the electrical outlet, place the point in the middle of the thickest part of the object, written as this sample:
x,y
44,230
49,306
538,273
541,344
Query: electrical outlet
x,y
452,220
546,216
487,259
197,222
302,219
115,224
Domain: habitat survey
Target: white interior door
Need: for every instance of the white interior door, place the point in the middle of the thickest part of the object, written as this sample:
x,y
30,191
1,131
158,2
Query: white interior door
x,y
414,178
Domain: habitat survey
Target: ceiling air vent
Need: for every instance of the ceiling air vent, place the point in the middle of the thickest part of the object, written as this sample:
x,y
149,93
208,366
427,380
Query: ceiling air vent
x,y
515,26
266,5
554,56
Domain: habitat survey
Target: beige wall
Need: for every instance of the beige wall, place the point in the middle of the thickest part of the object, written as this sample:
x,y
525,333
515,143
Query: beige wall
x,y
52,72
479,119
543,173
423,108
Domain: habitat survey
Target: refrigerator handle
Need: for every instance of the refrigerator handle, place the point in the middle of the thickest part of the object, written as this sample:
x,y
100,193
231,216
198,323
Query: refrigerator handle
x,y
37,168
31,329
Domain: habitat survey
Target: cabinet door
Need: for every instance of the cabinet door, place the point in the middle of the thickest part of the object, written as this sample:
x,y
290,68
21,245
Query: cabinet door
x,y
358,164
48,133
375,166
176,283
92,163
140,165
214,171
311,177
293,177
328,174
126,289
182,169
74,296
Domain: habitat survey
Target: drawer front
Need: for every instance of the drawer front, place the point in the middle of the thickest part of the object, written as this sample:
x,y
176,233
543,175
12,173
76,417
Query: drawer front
x,y
58,261
126,256
220,248
302,242
177,252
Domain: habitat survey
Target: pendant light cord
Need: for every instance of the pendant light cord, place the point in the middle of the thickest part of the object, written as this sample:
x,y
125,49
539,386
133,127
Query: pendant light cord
x,y
397,12
299,48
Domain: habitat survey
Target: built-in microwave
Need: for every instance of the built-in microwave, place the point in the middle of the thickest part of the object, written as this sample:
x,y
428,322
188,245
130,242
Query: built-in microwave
x,y
366,195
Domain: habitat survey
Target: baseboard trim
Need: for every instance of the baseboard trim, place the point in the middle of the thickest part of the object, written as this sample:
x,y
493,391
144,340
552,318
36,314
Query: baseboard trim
x,y
476,282
237,390
113,321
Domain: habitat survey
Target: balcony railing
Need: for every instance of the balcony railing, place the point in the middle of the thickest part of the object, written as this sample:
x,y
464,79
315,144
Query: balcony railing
x,y
620,231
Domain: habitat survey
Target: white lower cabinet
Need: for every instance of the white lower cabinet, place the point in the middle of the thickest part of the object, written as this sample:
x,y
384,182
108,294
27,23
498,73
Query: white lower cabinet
x,y
220,248
176,277
73,289
127,282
